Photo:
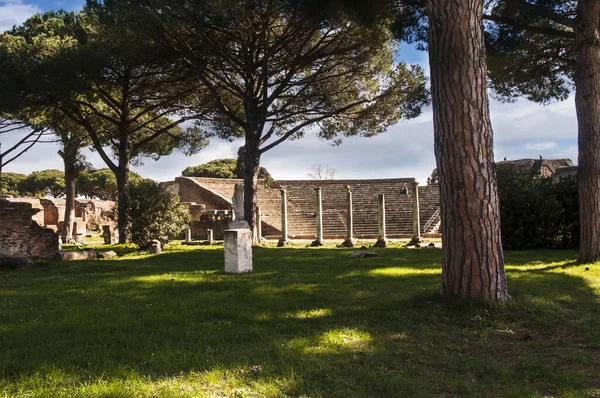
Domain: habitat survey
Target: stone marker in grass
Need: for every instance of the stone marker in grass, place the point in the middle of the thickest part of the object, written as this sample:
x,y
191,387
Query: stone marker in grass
x,y
238,238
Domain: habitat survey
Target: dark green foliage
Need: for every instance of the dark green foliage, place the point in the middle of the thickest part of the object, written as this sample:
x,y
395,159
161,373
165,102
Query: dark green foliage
x,y
538,213
218,168
155,213
224,168
101,183
531,50
44,183
11,183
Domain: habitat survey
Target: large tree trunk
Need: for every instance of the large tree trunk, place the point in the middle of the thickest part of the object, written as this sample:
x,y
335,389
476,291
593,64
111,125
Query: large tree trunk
x,y
69,160
587,104
473,262
251,168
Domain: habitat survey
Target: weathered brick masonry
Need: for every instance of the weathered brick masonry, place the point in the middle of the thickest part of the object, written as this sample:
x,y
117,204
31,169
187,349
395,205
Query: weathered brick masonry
x,y
216,194
23,238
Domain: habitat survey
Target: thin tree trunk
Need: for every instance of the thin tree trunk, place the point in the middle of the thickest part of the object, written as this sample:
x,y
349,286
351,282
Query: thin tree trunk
x,y
1,182
587,104
473,262
69,160
122,175
122,204
252,165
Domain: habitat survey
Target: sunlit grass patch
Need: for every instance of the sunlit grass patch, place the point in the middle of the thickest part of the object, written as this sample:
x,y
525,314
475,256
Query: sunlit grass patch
x,y
334,342
305,323
309,314
404,271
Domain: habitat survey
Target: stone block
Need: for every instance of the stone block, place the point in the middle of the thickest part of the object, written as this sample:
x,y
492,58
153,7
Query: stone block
x,y
238,251
78,255
107,235
154,247
107,255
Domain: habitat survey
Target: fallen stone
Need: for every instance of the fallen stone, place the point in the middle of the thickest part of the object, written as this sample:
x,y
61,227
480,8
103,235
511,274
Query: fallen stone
x,y
154,247
362,254
107,255
357,254
78,255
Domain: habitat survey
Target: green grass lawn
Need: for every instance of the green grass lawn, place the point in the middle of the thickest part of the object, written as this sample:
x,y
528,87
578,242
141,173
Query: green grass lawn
x,y
316,322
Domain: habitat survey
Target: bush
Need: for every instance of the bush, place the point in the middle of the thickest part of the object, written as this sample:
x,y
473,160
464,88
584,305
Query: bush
x,y
538,213
225,168
155,213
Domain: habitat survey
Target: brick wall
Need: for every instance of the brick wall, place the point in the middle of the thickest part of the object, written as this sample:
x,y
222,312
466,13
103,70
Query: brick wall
x,y
23,238
301,203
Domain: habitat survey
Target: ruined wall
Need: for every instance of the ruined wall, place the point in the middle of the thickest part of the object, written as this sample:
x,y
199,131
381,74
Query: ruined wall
x,y
54,211
23,238
38,217
301,204
191,191
172,186
94,213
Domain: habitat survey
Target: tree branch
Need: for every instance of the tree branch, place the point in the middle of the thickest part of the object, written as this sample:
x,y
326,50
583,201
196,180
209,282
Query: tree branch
x,y
533,29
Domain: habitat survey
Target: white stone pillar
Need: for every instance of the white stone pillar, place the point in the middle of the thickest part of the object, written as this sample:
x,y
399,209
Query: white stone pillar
x,y
238,250
258,224
349,242
416,215
319,240
284,222
188,237
381,240
209,236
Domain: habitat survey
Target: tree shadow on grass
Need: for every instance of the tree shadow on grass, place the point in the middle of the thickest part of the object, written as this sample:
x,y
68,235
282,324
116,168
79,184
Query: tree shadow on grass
x,y
319,325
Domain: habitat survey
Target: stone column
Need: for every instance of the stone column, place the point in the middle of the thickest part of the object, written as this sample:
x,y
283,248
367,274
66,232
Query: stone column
x,y
349,242
238,250
416,216
258,224
107,235
284,224
381,240
209,236
188,237
319,240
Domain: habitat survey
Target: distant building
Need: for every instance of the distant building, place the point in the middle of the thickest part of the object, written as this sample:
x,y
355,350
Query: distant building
x,y
541,167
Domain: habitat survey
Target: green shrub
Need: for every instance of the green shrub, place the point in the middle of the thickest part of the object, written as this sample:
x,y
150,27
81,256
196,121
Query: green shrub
x,y
538,213
155,213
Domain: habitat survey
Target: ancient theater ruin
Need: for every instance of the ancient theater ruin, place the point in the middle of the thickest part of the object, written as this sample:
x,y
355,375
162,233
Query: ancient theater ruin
x,y
409,209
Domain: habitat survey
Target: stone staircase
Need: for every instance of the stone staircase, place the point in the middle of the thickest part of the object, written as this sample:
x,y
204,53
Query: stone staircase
x,y
429,206
302,203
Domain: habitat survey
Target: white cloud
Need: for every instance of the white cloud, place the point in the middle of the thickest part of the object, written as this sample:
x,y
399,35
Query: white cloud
x,y
14,12
543,146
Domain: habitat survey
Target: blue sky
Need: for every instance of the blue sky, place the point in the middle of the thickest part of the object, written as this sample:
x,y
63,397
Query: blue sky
x,y
522,129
